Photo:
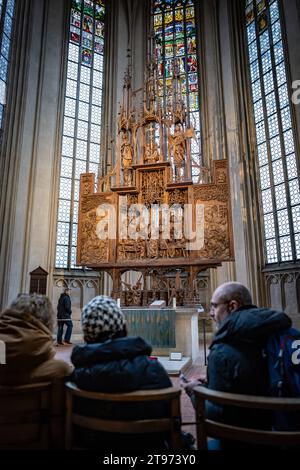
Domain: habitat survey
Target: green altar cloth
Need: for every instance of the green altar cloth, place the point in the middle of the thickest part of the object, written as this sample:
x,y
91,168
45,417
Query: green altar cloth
x,y
157,326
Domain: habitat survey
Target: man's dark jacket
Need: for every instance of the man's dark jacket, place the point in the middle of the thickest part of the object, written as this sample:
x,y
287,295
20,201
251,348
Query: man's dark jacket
x,y
120,365
237,363
64,310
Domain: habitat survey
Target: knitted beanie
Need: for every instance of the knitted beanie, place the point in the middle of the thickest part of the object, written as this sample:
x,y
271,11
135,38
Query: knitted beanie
x,y
101,315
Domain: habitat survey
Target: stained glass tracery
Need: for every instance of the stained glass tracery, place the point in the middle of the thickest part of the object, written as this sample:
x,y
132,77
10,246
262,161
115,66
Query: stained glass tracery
x,y
279,174
176,52
80,150
7,9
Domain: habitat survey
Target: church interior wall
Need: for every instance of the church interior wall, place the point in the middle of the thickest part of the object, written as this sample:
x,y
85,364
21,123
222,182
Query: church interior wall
x,y
30,221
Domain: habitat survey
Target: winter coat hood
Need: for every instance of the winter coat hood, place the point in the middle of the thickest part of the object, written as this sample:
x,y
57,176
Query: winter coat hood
x,y
28,342
251,324
116,349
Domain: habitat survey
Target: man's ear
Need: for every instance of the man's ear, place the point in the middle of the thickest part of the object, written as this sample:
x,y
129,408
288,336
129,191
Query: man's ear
x,y
233,305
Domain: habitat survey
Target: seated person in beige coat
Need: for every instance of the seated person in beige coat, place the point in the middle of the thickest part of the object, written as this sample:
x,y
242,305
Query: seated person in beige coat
x,y
26,329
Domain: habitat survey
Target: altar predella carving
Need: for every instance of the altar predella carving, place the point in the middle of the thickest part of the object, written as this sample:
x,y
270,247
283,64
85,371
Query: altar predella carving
x,y
149,214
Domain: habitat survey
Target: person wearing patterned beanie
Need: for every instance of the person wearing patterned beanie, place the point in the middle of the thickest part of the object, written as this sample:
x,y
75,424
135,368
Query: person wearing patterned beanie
x,y
102,319
111,361
110,356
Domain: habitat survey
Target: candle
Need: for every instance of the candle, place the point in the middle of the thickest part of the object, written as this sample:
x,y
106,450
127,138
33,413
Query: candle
x,y
119,302
174,302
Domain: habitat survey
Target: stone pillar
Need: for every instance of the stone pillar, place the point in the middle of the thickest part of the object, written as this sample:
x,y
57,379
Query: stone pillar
x,y
30,218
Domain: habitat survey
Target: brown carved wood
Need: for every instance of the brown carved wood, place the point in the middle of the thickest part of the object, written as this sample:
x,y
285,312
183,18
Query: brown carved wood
x,y
38,281
153,186
153,167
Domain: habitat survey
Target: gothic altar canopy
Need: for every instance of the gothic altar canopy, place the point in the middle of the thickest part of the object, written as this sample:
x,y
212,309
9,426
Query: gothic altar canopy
x,y
156,211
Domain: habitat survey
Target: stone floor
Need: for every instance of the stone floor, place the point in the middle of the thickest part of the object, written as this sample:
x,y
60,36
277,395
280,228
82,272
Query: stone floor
x,y
187,410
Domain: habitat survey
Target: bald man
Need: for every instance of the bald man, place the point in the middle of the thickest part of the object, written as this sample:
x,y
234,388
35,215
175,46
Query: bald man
x,y
236,362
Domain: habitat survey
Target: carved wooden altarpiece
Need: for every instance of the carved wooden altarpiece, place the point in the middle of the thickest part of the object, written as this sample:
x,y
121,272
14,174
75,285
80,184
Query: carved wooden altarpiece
x,y
153,171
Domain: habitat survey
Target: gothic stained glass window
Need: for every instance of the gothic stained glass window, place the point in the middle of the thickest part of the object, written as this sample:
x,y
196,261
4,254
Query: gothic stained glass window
x,y
176,45
7,8
80,151
279,175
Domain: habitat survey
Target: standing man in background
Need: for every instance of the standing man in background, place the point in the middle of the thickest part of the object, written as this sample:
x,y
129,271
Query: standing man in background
x,y
64,313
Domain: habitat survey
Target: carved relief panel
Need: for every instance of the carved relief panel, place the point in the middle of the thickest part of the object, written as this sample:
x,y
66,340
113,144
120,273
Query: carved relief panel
x,y
214,198
96,215
162,222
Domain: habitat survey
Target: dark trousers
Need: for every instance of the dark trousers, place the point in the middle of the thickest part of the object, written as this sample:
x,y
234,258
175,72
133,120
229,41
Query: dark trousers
x,y
60,330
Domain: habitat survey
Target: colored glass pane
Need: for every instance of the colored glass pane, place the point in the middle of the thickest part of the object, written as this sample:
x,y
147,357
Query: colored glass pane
x,y
88,7
249,13
7,10
76,4
173,22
